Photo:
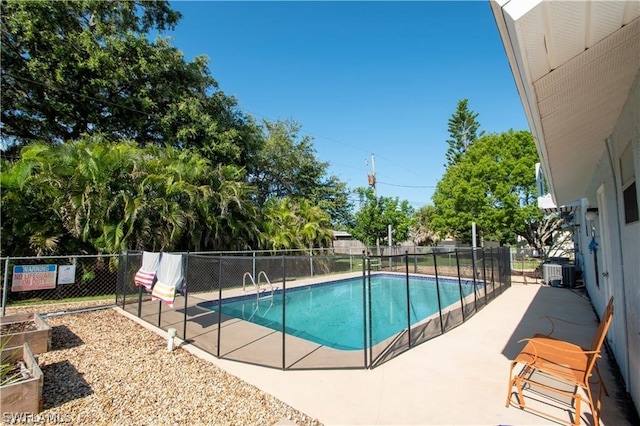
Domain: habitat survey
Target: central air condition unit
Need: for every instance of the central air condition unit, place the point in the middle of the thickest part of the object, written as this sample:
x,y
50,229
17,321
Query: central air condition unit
x,y
552,274
569,276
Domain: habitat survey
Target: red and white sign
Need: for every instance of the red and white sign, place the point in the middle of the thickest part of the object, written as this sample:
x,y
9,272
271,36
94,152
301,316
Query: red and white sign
x,y
34,277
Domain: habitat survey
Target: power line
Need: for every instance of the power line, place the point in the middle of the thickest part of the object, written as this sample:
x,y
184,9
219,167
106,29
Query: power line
x,y
49,86
61,89
401,167
317,136
408,186
104,101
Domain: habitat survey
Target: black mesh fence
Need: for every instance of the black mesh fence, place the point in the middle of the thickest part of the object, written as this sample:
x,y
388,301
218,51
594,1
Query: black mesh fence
x,y
296,310
317,310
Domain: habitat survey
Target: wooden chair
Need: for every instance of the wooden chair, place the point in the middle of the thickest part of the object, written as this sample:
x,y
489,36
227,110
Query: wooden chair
x,y
564,362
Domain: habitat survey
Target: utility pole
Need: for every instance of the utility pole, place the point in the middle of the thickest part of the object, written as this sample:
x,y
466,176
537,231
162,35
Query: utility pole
x,y
373,168
372,177
372,183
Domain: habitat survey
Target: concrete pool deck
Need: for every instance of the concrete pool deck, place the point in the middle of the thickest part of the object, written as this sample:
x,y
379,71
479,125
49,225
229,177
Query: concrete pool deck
x,y
457,378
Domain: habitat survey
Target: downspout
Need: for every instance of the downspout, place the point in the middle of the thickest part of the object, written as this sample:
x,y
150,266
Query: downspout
x,y
624,287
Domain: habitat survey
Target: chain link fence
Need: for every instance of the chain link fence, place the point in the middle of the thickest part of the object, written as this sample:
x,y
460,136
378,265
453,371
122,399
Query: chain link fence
x,y
526,265
51,281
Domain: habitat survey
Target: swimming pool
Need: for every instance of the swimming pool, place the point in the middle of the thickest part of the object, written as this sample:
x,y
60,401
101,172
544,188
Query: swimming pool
x,y
332,314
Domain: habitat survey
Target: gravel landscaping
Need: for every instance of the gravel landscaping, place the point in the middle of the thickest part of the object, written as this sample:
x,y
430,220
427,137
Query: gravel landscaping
x,y
105,369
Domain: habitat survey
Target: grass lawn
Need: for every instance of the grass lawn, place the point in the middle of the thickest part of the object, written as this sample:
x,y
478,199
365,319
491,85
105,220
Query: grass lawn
x,y
38,301
526,264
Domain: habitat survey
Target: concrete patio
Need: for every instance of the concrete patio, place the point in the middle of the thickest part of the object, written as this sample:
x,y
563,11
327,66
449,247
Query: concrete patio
x,y
458,378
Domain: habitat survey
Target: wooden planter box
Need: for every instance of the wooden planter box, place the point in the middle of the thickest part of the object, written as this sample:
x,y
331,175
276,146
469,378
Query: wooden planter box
x,y
24,396
37,332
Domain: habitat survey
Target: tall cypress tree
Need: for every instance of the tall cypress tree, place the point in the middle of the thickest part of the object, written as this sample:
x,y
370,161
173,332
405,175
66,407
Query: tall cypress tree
x,y
463,129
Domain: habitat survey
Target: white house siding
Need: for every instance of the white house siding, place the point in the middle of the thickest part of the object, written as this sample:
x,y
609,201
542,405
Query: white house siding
x,y
624,250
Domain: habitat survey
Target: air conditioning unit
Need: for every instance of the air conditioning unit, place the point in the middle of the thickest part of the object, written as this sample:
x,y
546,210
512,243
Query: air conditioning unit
x,y
552,274
569,276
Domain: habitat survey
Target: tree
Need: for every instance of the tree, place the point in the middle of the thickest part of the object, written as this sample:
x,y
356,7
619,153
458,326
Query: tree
x,y
294,224
332,196
463,130
421,232
286,166
86,67
29,225
62,71
93,195
375,215
494,186
113,141
549,235
229,212
69,189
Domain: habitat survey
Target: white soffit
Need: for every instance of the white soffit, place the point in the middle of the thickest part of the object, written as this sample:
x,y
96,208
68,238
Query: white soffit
x,y
546,204
574,63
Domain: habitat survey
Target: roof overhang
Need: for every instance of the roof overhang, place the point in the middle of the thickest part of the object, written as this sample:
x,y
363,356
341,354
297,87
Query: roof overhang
x,y
546,204
574,63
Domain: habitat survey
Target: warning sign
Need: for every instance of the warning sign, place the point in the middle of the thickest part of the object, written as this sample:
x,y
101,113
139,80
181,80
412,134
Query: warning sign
x,y
66,274
34,277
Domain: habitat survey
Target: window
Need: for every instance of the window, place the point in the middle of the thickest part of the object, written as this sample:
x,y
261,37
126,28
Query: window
x,y
629,192
630,196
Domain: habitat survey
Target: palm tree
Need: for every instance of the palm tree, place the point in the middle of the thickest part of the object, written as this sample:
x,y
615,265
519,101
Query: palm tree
x,y
233,214
294,224
170,196
315,230
91,173
29,223
100,196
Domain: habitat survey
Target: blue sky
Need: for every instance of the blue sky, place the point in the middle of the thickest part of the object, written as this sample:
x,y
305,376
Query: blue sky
x,y
361,78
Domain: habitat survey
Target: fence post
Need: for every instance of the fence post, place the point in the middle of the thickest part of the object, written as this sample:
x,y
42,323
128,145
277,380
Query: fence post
x,y
473,272
5,285
124,280
350,261
364,307
284,304
185,287
370,319
459,284
507,271
435,268
406,265
139,301
219,302
493,282
484,277
253,269
159,313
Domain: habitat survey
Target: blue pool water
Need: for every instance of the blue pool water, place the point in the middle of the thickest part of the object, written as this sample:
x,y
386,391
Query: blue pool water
x,y
331,314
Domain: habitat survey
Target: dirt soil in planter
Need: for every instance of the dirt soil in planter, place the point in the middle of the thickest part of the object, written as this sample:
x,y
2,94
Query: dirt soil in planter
x,y
16,373
18,327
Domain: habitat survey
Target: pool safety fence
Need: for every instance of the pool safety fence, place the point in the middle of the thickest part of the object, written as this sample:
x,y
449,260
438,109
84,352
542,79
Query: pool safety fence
x,y
307,309
318,311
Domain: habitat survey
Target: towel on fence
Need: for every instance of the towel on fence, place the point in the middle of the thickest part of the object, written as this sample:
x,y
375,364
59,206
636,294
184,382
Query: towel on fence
x,y
169,279
147,272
